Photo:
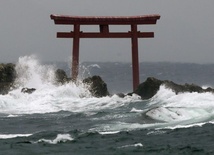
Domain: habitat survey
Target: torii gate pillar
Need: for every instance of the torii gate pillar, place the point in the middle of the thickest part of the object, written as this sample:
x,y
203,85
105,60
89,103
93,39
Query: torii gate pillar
x,y
135,59
75,58
104,23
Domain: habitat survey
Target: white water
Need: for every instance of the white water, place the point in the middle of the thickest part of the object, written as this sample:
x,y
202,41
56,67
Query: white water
x,y
8,136
132,145
171,111
167,108
59,139
184,106
50,97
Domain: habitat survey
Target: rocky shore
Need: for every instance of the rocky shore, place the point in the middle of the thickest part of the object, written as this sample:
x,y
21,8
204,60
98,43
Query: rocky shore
x,y
151,86
97,86
7,77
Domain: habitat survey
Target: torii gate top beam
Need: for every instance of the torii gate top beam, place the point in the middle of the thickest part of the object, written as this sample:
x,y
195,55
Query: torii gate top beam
x,y
104,22
110,20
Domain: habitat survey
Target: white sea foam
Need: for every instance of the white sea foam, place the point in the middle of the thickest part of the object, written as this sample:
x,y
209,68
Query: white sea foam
x,y
132,145
166,107
32,74
94,66
156,132
185,126
13,115
59,139
181,110
109,132
170,111
8,136
123,126
85,70
137,110
50,97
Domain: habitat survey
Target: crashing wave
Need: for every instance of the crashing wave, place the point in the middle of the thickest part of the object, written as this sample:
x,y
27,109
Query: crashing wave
x,y
61,138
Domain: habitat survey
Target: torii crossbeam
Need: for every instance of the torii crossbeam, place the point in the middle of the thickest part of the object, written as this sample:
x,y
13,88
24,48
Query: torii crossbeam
x,y
104,22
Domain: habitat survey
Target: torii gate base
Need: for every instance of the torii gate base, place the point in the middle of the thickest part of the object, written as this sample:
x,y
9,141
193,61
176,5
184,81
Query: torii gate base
x,y
104,23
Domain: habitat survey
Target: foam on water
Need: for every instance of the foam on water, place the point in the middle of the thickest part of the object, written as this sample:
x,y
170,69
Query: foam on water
x,y
59,139
184,106
50,97
132,145
32,74
109,132
166,108
182,110
8,136
53,99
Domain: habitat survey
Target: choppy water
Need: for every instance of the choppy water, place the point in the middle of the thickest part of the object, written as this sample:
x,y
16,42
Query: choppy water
x,y
68,120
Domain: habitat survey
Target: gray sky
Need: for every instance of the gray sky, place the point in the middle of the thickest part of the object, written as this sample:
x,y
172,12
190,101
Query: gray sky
x,y
183,34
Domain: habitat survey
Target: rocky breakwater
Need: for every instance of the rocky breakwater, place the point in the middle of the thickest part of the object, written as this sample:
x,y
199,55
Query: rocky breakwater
x,y
151,86
7,77
96,85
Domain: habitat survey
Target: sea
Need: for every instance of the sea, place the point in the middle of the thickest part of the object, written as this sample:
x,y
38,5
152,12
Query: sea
x,y
67,120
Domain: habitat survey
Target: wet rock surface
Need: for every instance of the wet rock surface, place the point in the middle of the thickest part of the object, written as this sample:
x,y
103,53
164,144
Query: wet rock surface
x,y
61,76
97,86
151,86
7,77
28,90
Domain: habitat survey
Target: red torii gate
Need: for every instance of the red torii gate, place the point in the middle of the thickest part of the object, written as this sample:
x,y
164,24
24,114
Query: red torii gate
x,y
104,22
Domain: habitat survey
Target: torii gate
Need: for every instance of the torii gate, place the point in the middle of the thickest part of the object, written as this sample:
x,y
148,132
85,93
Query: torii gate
x,y
104,22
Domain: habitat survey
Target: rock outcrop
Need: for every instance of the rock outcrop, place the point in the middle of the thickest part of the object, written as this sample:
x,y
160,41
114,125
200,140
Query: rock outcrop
x,y
148,88
97,86
28,90
7,77
61,76
151,86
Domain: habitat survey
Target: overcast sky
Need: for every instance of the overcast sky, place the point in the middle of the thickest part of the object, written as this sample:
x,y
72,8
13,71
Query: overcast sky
x,y
184,33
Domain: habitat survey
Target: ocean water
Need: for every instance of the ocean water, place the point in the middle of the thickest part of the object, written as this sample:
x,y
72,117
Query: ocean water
x,y
66,119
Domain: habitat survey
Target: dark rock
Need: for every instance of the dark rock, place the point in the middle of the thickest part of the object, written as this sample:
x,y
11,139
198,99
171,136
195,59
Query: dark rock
x,y
151,86
183,88
121,95
5,87
97,86
28,90
209,89
7,72
148,88
7,77
61,76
